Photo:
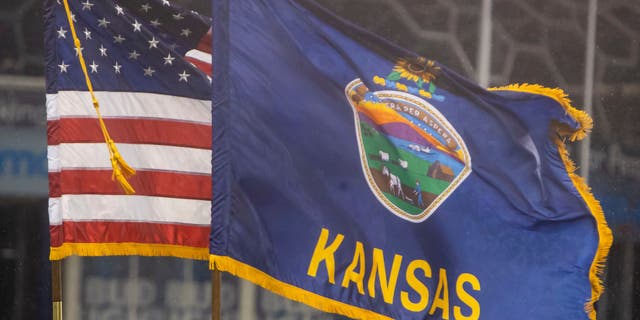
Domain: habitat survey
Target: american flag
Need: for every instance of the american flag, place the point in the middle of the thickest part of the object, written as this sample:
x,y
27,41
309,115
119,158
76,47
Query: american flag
x,y
149,62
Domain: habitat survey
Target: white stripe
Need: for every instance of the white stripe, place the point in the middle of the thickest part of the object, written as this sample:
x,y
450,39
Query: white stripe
x,y
138,156
53,159
55,218
89,207
52,107
128,105
199,55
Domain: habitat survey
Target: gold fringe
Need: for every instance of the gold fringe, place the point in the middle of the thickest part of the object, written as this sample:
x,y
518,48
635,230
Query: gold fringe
x,y
121,170
127,249
604,233
585,121
288,291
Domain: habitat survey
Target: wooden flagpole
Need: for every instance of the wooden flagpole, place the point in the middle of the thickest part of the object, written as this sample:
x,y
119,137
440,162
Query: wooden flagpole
x,y
56,288
215,295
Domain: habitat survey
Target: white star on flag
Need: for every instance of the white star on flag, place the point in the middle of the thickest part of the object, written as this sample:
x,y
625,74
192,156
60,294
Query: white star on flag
x,y
178,16
169,59
103,51
63,67
145,7
185,32
87,34
134,55
119,10
62,33
148,71
118,39
94,67
136,25
156,23
103,22
153,43
87,5
117,67
78,51
183,76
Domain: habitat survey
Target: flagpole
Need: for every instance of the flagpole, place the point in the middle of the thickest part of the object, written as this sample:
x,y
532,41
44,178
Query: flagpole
x,y
215,295
483,58
56,288
585,146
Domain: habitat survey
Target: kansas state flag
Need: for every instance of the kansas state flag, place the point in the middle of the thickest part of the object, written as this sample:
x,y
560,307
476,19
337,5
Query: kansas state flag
x,y
366,180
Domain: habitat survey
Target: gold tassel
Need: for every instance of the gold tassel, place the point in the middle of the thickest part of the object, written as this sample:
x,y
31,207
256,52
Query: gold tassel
x,y
121,170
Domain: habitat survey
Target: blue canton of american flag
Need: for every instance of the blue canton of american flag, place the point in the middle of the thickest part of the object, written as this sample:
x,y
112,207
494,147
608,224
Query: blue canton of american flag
x,y
150,66
135,45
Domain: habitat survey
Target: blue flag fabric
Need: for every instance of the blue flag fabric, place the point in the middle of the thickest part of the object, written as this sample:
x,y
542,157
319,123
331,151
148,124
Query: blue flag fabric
x,y
364,180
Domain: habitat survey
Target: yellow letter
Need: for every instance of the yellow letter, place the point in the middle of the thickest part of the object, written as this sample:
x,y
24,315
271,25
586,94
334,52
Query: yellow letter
x,y
467,298
350,274
388,288
416,285
441,298
325,253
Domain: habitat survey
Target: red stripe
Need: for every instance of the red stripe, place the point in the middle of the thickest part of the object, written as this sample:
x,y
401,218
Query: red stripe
x,y
146,183
148,131
205,43
203,66
137,232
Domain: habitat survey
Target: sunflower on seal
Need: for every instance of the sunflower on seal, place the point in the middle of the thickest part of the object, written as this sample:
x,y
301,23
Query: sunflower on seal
x,y
418,69
414,75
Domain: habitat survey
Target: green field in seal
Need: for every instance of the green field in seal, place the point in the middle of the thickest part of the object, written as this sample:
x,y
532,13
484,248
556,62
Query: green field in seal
x,y
408,208
373,141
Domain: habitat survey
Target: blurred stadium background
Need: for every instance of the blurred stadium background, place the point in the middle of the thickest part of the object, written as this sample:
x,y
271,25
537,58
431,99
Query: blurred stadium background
x,y
542,41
